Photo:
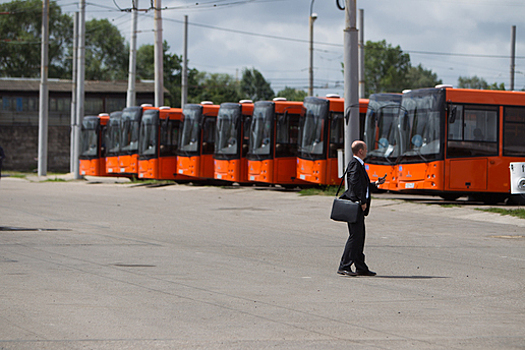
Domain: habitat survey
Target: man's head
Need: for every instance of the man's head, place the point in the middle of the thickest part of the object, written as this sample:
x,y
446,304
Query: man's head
x,y
359,149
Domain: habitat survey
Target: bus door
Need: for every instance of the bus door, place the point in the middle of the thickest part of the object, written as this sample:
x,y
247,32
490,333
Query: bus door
x,y
472,143
322,123
381,135
92,155
130,131
113,143
287,115
231,141
197,140
169,144
158,143
313,132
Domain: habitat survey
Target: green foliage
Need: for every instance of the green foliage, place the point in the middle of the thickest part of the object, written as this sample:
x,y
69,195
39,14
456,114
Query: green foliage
x,y
419,77
292,94
254,86
316,191
478,83
215,87
386,68
519,213
21,33
106,55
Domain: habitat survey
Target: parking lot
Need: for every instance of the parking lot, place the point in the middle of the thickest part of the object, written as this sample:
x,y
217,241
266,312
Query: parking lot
x,y
105,265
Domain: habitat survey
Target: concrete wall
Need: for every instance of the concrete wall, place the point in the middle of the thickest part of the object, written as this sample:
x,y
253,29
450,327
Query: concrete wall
x,y
20,144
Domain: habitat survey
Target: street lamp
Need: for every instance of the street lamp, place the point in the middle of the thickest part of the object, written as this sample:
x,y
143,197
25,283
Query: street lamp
x,y
313,17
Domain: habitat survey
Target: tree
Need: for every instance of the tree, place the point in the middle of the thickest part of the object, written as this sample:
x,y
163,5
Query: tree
x,y
215,87
21,32
386,68
292,94
419,77
106,55
254,86
478,83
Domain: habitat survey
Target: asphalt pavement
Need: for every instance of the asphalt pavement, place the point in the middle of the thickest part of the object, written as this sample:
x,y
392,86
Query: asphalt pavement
x,y
101,264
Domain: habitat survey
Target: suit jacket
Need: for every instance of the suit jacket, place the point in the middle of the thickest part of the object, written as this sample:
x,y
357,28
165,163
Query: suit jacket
x,y
358,184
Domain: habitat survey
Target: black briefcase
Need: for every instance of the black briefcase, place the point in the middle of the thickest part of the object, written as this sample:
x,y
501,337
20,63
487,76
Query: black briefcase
x,y
343,209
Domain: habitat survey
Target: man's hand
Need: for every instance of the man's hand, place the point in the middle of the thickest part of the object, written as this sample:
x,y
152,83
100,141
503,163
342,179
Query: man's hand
x,y
363,206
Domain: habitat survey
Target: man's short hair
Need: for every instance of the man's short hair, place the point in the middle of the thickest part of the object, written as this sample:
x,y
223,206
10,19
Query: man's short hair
x,y
357,146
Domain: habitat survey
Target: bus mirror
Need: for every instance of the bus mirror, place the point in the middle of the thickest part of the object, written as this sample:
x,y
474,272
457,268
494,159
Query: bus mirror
x,y
452,117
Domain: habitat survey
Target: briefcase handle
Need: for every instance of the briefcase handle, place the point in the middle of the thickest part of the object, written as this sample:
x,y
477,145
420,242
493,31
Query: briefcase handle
x,y
342,179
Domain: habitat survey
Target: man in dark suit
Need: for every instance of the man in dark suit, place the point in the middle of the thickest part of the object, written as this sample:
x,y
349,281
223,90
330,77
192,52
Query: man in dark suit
x,y
358,191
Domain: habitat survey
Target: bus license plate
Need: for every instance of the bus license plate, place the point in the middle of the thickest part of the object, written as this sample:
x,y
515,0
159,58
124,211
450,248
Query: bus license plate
x,y
409,185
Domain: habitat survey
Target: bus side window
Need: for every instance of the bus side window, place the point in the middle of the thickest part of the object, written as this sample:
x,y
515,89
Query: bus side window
x,y
208,137
513,131
337,135
473,132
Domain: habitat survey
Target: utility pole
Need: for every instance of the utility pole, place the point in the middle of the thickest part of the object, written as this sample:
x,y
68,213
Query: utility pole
x,y
81,69
159,53
184,87
43,111
73,94
361,53
512,56
311,21
132,75
351,78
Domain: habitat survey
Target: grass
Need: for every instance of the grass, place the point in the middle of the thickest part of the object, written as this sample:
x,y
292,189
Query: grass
x,y
323,191
519,213
56,179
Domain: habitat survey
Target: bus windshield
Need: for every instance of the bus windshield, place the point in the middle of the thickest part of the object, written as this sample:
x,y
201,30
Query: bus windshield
x,y
420,125
261,129
113,136
129,140
148,133
89,138
227,131
381,131
311,127
191,130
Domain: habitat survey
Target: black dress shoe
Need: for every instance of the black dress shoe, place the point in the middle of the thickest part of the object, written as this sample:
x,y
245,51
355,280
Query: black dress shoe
x,y
365,273
346,273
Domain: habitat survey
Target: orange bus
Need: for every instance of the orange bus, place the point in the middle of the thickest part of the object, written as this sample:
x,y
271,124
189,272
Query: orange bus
x,y
460,142
321,135
231,141
381,135
158,143
113,143
272,152
92,157
197,139
128,158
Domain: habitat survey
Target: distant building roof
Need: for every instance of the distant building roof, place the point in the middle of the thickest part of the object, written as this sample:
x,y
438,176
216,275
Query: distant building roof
x,y
63,85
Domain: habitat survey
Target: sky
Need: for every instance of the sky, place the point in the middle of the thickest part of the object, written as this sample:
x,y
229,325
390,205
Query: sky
x,y
452,38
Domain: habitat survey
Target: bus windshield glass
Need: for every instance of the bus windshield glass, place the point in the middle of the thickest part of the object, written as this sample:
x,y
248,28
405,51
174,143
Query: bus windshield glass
x,y
227,131
381,128
261,130
89,140
191,130
113,137
148,133
311,127
420,125
129,140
